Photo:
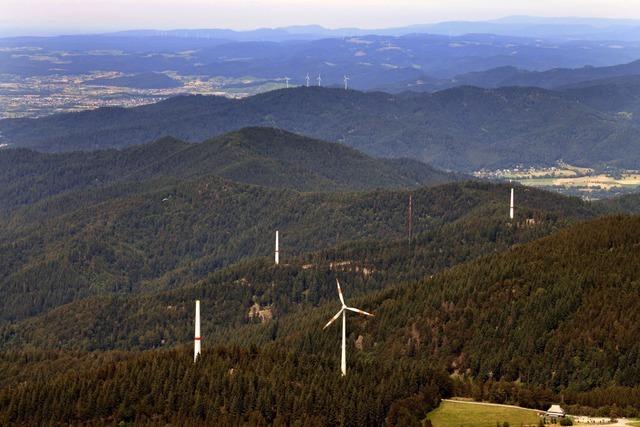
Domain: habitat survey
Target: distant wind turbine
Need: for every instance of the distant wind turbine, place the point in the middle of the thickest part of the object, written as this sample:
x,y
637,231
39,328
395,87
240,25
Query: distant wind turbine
x,y
343,362
307,79
319,80
346,82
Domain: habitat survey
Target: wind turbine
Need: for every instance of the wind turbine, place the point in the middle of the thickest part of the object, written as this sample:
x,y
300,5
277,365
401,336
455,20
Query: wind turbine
x,y
346,82
286,80
307,79
343,312
511,205
319,80
197,338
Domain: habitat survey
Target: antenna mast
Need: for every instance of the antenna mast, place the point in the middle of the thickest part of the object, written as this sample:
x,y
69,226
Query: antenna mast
x,y
410,218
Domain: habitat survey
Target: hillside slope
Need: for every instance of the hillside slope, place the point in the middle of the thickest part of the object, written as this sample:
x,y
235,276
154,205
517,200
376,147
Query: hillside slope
x,y
261,156
163,234
549,79
469,222
554,318
561,312
463,129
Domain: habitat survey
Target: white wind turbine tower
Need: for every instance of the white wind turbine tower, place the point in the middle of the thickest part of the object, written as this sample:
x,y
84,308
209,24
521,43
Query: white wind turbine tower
x,y
346,82
307,79
197,339
286,80
343,362
511,205
319,80
277,252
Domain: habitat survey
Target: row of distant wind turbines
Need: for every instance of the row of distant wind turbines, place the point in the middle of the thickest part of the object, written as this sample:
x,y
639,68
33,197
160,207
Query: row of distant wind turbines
x,y
319,80
342,312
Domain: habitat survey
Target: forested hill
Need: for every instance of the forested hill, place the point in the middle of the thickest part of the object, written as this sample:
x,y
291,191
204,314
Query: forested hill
x,y
560,312
158,234
554,78
261,156
463,128
509,325
452,224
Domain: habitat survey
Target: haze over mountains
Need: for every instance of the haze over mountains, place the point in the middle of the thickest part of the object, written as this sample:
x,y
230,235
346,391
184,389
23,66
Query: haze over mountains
x,y
374,61
531,26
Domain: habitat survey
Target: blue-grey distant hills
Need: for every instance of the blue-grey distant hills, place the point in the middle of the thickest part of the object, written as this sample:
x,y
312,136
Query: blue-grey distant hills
x,y
461,129
373,62
549,79
561,28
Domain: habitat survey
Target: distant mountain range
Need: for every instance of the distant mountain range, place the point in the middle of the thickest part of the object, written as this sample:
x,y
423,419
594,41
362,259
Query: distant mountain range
x,y
462,129
372,61
550,79
522,26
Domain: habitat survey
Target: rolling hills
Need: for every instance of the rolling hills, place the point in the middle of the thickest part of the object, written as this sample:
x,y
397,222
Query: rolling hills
x,y
555,78
260,156
102,260
462,129
158,234
508,328
453,224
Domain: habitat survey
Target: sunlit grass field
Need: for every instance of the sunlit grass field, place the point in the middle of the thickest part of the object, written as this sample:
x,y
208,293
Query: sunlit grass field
x,y
463,414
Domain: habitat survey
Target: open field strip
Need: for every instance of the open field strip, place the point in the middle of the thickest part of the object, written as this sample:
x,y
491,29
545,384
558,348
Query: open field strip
x,y
457,413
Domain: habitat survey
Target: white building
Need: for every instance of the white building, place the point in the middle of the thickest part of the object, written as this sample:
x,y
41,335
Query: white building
x,y
555,411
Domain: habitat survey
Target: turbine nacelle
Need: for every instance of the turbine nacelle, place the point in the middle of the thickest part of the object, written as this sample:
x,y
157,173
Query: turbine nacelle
x,y
344,307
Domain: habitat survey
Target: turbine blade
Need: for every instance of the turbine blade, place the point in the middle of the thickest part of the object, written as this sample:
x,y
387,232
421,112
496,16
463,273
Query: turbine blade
x,y
359,311
334,318
340,293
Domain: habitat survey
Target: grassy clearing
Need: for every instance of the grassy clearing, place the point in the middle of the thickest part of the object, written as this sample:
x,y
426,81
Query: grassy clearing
x,y
634,423
463,414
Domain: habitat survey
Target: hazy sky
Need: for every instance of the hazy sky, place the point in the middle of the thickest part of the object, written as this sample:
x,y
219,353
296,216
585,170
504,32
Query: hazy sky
x,y
93,15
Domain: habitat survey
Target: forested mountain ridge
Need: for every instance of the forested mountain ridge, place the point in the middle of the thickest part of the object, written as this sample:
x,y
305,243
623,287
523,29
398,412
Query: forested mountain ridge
x,y
555,78
618,95
560,312
155,317
463,129
155,235
509,325
261,156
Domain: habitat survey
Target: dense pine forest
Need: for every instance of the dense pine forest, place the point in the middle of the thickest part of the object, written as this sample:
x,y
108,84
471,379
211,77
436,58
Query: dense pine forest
x,y
262,156
102,255
499,329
